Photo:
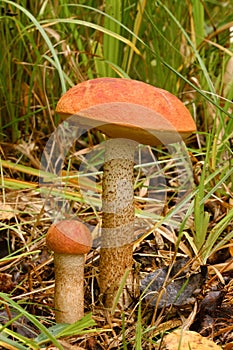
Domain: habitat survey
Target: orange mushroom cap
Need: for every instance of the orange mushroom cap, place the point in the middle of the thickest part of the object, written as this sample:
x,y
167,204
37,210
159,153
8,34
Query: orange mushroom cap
x,y
69,237
128,108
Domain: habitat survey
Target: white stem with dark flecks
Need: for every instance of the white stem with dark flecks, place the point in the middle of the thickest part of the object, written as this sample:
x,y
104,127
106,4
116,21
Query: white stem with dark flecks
x,y
116,252
69,284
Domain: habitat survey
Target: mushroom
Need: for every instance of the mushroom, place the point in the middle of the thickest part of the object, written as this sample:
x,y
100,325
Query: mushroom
x,y
128,112
70,240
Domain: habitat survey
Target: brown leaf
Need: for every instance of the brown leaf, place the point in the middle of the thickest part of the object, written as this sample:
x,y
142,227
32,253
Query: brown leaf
x,y
66,345
188,340
6,211
6,282
231,247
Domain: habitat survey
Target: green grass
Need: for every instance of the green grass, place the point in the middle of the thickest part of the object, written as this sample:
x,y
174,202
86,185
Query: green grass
x,y
47,47
46,334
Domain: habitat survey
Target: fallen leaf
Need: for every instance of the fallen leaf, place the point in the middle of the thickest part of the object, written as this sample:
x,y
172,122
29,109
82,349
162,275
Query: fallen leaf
x,y
66,346
188,340
6,211
231,247
180,289
6,282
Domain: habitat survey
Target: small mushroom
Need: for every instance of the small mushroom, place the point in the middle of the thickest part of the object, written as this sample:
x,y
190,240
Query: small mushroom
x,y
70,240
129,112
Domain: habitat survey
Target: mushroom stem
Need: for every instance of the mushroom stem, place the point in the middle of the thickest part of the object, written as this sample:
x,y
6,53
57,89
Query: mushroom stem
x,y
69,287
116,252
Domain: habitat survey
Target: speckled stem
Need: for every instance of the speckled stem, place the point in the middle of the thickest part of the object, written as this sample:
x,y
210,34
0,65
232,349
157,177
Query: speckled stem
x,y
69,294
116,252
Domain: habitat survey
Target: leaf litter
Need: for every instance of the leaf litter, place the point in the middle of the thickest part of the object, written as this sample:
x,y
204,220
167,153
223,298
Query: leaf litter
x,y
172,282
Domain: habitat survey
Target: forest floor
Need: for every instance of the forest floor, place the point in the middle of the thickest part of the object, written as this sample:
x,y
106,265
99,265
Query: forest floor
x,y
177,290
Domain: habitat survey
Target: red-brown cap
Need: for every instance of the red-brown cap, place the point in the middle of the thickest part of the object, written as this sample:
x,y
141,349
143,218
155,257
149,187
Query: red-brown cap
x,y
69,237
128,108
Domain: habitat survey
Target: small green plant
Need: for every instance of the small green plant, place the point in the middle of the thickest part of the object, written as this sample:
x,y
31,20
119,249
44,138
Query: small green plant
x,y
47,335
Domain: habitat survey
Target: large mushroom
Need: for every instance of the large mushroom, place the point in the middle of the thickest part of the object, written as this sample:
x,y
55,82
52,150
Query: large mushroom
x,y
128,112
70,240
